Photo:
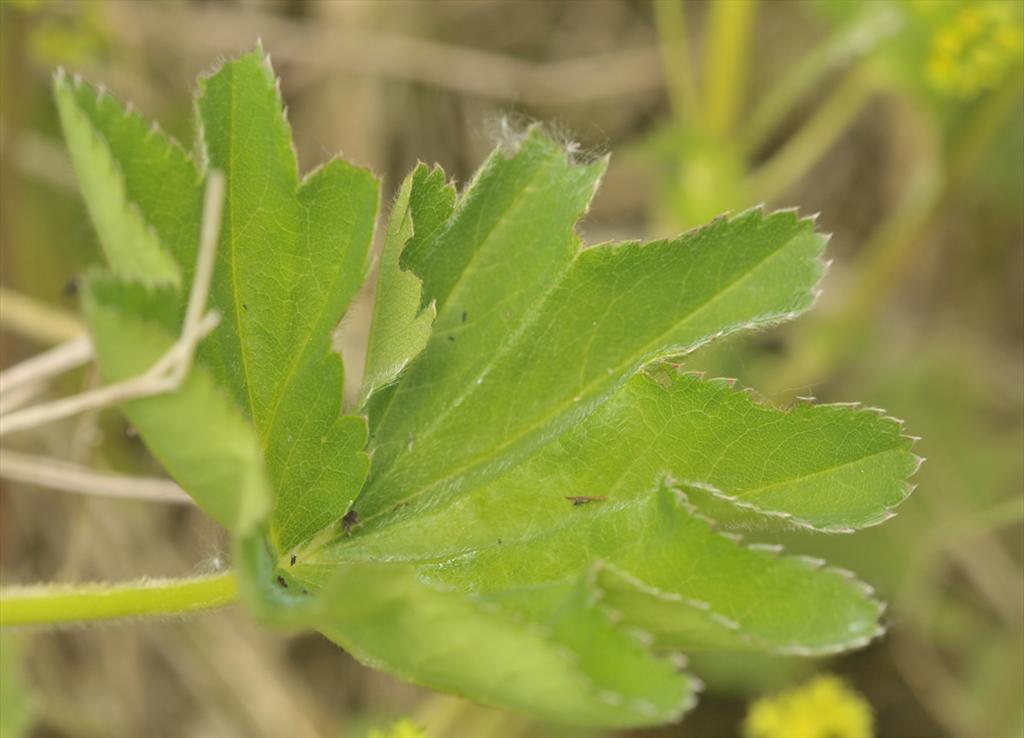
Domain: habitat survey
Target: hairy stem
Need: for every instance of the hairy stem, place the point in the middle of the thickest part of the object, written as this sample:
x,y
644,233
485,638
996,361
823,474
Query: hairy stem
x,y
64,604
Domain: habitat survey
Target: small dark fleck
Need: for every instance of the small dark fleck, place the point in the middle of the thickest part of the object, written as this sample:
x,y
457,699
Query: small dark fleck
x,y
451,338
293,560
773,345
578,500
464,316
245,307
499,541
350,520
305,591
71,288
282,582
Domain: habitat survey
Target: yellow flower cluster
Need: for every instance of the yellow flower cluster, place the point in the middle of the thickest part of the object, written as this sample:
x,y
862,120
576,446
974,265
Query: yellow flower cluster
x,y
402,729
975,49
825,707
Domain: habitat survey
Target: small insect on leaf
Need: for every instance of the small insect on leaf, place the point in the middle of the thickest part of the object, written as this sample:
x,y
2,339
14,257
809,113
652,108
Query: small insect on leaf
x,y
578,500
350,520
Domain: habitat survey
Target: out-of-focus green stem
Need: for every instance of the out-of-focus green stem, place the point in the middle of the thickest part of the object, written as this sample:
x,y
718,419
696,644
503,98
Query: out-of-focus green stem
x,y
984,522
670,22
891,250
806,147
729,27
878,22
63,604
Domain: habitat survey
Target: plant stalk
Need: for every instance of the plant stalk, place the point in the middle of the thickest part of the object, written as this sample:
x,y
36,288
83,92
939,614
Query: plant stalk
x,y
674,45
729,25
66,604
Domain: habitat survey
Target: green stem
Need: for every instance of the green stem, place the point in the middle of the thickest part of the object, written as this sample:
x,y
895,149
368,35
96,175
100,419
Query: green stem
x,y
891,250
805,148
674,45
729,25
56,604
854,41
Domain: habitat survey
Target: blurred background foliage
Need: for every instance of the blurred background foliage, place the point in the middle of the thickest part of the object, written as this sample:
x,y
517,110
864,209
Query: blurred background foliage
x,y
900,121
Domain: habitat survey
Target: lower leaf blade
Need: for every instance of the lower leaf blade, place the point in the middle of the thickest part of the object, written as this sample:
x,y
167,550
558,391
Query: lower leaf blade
x,y
566,663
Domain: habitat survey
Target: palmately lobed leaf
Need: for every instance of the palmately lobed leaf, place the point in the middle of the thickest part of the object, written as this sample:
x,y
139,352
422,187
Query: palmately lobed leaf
x,y
571,665
545,488
292,255
453,421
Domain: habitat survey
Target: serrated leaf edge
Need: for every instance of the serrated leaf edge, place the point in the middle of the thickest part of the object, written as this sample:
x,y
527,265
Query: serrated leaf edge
x,y
134,212
887,513
572,411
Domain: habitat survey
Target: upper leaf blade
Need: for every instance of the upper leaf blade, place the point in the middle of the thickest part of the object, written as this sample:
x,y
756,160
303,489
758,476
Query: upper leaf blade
x,y
509,238
291,257
613,309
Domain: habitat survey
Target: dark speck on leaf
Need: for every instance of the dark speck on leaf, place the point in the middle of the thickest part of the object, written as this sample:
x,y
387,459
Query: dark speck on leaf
x,y
71,288
293,560
578,500
282,582
464,316
451,338
499,541
245,307
350,520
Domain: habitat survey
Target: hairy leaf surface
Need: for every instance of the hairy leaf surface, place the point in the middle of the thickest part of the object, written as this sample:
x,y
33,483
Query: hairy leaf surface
x,y
485,394
292,254
568,664
550,508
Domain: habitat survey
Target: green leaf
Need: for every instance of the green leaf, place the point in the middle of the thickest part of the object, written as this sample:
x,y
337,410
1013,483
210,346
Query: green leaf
x,y
659,554
196,432
291,257
400,328
520,406
486,393
126,232
746,464
569,665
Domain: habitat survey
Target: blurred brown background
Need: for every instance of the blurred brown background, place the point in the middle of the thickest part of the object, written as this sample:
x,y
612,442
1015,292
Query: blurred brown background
x,y
900,122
